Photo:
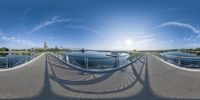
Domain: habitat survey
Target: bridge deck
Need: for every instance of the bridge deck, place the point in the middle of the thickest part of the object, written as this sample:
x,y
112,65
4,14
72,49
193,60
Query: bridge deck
x,y
48,78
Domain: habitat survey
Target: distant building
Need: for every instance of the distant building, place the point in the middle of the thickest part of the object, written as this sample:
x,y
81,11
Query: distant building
x,y
45,45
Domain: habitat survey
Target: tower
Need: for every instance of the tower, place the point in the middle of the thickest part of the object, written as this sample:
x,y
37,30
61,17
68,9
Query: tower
x,y
45,45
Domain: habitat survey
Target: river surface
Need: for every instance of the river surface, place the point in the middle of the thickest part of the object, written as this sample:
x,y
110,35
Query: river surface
x,y
10,60
183,59
97,60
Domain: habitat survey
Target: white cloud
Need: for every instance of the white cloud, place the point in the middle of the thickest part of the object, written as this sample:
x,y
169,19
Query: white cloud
x,y
194,45
13,39
166,42
20,42
25,13
179,24
190,38
54,19
51,38
84,28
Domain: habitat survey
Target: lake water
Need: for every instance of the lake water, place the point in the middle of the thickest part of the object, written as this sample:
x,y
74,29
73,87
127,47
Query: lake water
x,y
183,59
181,54
97,60
11,60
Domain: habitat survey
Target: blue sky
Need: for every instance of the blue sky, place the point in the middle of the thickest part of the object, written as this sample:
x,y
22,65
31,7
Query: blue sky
x,y
100,24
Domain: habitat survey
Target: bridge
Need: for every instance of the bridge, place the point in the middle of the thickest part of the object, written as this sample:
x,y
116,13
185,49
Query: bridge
x,y
47,78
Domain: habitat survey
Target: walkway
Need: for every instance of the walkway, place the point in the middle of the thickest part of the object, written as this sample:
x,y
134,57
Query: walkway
x,y
49,79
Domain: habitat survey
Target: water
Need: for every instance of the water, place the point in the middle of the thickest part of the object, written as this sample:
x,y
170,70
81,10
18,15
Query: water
x,y
10,60
97,60
183,59
180,54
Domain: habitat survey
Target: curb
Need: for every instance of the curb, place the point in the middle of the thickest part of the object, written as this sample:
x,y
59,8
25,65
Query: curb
x,y
22,65
178,67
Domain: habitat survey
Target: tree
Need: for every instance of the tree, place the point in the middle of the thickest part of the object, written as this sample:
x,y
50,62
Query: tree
x,y
3,49
197,49
56,49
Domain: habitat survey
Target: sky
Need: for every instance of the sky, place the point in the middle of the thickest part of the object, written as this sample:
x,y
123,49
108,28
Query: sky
x,y
100,24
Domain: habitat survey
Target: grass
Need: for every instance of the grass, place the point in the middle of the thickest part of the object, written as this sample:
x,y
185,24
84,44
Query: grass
x,y
135,53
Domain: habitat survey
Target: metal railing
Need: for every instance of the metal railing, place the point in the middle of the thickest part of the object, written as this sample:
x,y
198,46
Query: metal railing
x,y
97,65
189,62
14,60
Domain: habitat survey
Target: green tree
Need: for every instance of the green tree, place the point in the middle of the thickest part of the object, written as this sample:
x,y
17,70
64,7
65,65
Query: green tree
x,y
3,49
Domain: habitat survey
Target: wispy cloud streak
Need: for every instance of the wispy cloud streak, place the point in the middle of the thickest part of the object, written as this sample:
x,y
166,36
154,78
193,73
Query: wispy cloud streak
x,y
83,28
54,19
25,13
179,24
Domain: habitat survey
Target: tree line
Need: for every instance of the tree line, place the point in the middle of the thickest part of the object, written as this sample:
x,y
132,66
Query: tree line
x,y
3,49
191,50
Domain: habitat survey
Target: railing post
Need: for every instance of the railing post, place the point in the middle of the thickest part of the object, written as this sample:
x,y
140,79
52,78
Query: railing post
x,y
34,55
26,58
179,61
60,56
165,58
86,62
67,58
7,65
116,61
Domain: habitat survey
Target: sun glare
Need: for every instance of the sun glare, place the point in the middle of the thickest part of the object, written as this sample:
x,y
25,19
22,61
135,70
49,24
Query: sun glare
x,y
128,42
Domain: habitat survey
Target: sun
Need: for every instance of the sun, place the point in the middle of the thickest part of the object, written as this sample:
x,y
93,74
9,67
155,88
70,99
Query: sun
x,y
128,42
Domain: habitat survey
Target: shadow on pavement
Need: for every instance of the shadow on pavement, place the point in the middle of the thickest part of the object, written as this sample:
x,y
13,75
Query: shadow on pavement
x,y
117,82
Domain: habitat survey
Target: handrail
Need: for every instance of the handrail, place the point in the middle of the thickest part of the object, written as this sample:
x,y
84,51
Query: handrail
x,y
91,57
185,57
9,61
113,69
96,57
180,60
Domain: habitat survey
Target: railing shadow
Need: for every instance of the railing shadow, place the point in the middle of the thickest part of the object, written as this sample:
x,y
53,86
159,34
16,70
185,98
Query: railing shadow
x,y
76,77
133,72
126,80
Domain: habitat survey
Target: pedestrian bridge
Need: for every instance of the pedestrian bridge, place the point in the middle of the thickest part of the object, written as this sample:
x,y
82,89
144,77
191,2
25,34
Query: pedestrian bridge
x,y
48,78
